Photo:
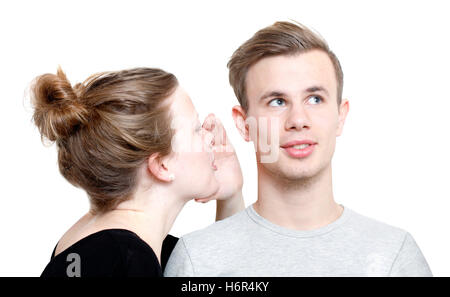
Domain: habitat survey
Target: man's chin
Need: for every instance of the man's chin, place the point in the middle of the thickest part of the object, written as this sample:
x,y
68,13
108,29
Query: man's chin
x,y
296,177
290,174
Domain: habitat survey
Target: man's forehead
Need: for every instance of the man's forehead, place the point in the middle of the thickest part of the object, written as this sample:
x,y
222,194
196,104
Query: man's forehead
x,y
291,73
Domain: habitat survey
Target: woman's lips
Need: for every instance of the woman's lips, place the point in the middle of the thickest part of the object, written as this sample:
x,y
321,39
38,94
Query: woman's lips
x,y
299,153
213,164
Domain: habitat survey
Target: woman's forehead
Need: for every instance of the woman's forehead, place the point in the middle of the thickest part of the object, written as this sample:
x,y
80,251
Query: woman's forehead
x,y
182,108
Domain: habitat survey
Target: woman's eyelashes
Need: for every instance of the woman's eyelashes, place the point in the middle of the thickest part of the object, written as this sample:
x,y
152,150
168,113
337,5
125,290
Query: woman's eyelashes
x,y
313,99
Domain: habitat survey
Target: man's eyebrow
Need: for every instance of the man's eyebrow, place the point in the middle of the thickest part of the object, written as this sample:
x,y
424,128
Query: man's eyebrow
x,y
272,94
316,89
311,89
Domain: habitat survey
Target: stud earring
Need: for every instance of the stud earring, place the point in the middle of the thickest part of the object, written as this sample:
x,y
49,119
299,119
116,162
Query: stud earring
x,y
171,176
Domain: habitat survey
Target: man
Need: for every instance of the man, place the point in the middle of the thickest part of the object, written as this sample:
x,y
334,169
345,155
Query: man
x,y
289,82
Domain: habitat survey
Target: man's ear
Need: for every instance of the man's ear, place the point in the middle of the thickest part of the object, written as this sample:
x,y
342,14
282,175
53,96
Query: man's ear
x,y
157,166
343,111
239,117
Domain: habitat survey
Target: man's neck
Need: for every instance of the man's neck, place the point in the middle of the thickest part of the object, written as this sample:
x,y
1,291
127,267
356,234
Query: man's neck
x,y
306,204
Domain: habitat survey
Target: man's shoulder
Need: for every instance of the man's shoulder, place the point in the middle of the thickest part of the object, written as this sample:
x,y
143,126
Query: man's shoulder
x,y
382,242
197,252
218,231
374,229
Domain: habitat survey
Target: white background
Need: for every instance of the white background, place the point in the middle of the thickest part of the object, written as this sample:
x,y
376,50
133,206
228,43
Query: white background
x,y
391,163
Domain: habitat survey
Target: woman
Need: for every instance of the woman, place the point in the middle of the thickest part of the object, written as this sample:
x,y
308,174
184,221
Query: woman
x,y
132,140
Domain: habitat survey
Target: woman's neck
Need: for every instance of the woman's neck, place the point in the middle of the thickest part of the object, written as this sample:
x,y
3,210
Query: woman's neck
x,y
149,215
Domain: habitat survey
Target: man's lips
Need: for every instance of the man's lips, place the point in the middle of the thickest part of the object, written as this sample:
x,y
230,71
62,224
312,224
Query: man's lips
x,y
298,142
297,152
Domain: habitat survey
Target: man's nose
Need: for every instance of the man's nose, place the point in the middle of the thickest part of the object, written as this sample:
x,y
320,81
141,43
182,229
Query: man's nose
x,y
297,119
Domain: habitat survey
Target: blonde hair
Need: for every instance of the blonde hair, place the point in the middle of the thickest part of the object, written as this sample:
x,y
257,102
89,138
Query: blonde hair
x,y
105,127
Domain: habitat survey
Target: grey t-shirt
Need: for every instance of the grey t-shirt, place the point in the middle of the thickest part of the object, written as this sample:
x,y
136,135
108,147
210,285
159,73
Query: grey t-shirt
x,y
246,244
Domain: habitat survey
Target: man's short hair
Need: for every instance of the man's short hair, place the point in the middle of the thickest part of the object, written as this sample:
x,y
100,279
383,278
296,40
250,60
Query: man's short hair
x,y
281,38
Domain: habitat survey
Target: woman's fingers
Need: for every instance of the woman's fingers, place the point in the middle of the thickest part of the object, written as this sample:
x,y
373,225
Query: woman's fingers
x,y
215,126
202,200
220,142
208,123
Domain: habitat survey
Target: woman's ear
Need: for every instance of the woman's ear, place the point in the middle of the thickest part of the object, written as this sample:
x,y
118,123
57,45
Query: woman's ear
x,y
239,117
158,167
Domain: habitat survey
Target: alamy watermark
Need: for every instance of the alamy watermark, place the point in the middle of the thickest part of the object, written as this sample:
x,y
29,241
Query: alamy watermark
x,y
74,267
263,131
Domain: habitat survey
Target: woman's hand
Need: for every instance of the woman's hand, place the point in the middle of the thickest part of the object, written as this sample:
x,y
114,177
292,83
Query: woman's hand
x,y
228,173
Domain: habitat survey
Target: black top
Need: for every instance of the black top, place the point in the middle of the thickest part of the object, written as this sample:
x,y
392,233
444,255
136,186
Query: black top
x,y
111,252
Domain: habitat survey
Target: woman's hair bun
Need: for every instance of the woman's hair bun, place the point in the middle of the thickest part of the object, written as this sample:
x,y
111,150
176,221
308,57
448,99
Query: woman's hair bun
x,y
58,111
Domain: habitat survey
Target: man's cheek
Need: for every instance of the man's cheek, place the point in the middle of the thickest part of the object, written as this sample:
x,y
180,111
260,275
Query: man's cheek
x,y
268,138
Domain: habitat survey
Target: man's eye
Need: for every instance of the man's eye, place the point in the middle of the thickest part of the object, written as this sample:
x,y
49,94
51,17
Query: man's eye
x,y
276,102
314,99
